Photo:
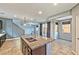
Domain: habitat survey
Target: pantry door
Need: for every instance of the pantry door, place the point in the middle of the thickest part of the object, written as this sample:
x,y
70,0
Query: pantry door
x,y
77,34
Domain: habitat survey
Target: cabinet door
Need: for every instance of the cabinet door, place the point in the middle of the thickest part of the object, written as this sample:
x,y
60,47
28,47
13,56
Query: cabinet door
x,y
77,34
29,51
0,42
23,48
0,24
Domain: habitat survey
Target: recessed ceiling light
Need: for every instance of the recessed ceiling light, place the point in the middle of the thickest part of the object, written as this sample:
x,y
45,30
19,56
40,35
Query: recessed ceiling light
x,y
31,19
55,4
24,24
14,15
40,12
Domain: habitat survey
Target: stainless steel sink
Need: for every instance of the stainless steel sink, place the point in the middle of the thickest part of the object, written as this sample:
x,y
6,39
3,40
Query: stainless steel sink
x,y
30,39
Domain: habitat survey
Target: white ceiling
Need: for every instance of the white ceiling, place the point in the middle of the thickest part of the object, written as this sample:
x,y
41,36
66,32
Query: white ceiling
x,y
30,10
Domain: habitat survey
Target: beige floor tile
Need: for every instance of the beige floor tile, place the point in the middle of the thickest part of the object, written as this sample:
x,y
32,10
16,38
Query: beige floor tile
x,y
13,47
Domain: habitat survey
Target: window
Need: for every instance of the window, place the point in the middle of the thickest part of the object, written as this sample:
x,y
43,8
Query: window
x,y
66,27
44,29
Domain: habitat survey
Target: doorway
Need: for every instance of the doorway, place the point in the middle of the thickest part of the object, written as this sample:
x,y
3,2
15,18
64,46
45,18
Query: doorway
x,y
56,31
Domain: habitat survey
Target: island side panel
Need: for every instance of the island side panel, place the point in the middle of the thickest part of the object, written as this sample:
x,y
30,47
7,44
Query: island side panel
x,y
39,51
49,48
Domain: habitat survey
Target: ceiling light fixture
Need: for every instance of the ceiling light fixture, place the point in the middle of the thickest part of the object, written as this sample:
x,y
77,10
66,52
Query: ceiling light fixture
x,y
40,12
14,15
24,24
55,4
24,21
31,19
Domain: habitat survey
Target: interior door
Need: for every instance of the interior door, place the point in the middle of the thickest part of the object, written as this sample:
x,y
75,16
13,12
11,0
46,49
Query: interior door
x,y
77,34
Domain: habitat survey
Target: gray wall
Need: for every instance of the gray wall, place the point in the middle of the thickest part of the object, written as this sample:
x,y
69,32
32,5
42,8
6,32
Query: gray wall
x,y
67,36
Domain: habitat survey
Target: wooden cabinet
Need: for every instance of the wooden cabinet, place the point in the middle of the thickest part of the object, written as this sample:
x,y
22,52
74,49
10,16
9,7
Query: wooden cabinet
x,y
0,24
26,50
23,48
2,39
39,51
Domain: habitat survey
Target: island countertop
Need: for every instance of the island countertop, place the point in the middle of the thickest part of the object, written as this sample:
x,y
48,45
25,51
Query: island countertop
x,y
40,41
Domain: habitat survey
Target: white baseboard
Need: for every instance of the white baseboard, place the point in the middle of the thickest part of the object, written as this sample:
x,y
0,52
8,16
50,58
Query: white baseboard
x,y
13,38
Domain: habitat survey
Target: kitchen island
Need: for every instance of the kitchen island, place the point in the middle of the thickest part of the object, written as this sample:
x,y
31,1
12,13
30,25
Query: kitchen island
x,y
35,45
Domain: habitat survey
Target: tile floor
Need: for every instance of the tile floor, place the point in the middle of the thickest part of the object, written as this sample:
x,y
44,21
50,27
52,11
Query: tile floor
x,y
61,47
13,47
